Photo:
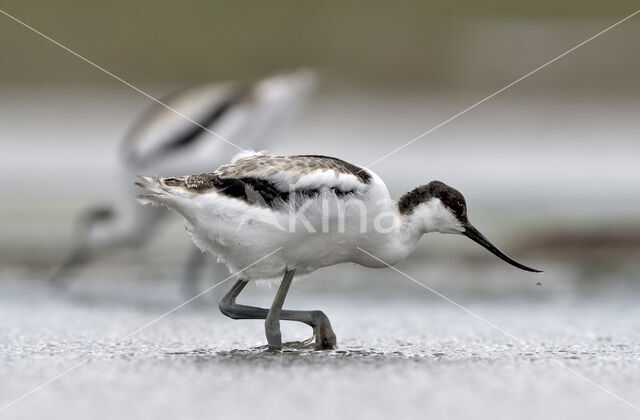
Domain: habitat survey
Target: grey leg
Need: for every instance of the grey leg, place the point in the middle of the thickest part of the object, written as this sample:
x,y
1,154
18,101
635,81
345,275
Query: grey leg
x,y
272,322
193,272
322,331
230,308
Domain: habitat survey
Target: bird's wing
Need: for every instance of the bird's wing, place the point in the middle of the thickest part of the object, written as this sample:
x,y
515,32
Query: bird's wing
x,y
160,130
261,179
298,172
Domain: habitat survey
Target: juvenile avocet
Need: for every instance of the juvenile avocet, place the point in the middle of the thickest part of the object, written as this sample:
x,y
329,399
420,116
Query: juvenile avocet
x,y
316,211
163,142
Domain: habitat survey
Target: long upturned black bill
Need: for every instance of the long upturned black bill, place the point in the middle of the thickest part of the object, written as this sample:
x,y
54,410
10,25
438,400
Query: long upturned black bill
x,y
473,234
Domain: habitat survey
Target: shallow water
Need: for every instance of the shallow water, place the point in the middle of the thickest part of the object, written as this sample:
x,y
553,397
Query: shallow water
x,y
408,355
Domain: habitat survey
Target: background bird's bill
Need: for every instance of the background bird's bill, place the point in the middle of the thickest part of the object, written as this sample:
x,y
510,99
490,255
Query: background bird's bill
x,y
474,234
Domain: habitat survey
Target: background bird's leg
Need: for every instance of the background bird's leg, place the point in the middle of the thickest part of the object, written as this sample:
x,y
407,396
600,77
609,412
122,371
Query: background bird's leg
x,y
193,272
75,260
324,335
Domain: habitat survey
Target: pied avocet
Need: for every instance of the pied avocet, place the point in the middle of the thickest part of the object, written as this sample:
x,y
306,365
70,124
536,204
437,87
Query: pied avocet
x,y
305,212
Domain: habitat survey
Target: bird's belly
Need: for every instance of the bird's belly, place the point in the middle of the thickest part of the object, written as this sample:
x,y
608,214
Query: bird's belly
x,y
263,244
268,253
317,251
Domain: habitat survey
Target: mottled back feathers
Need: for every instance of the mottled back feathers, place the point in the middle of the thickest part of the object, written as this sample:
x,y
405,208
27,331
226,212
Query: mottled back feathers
x,y
264,165
262,179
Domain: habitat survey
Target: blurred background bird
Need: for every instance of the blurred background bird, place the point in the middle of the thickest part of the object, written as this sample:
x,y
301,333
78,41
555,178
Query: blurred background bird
x,y
193,129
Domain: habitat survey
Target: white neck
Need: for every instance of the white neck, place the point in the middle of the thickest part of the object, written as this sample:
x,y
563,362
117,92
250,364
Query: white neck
x,y
399,242
394,242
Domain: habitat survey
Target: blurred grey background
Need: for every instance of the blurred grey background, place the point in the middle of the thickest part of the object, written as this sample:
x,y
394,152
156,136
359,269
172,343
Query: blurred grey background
x,y
548,166
549,169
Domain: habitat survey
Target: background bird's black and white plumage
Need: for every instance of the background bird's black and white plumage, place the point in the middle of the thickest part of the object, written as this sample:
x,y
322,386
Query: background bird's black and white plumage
x,y
229,116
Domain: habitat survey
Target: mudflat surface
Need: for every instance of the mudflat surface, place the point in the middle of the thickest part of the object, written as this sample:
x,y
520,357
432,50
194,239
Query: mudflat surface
x,y
402,353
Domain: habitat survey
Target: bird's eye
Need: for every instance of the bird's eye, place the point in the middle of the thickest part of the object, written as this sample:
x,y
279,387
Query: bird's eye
x,y
457,208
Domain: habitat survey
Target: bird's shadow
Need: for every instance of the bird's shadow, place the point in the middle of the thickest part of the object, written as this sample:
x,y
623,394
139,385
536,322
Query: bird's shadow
x,y
289,348
293,352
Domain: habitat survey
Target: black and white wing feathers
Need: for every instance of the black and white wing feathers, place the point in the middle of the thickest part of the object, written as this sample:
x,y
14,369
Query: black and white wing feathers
x,y
263,179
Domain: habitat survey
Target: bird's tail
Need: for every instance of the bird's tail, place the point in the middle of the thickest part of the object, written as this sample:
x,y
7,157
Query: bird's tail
x,y
162,191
